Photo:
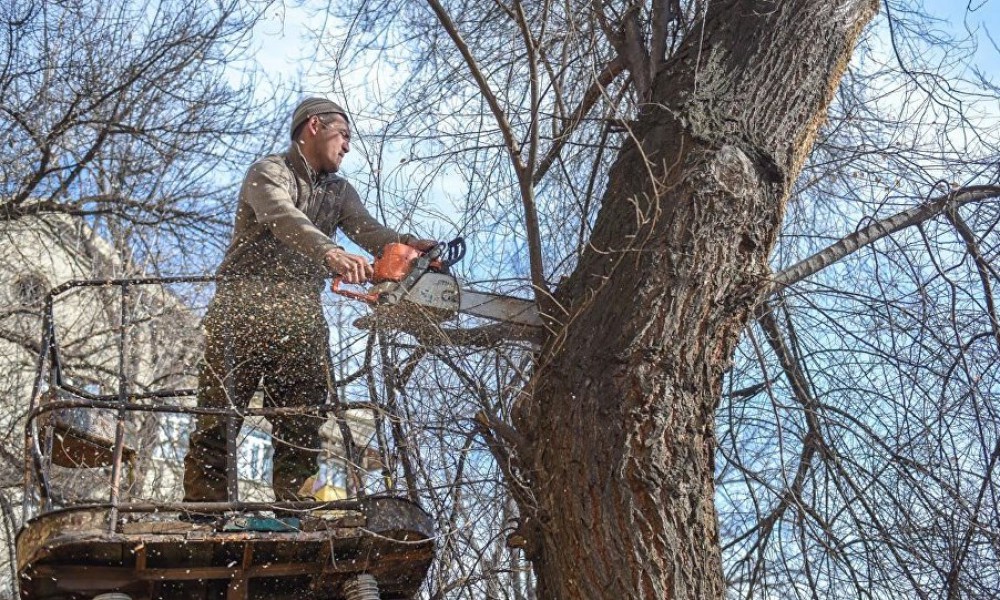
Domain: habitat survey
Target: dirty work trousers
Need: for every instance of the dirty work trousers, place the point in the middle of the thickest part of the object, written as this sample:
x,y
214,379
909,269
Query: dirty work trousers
x,y
271,335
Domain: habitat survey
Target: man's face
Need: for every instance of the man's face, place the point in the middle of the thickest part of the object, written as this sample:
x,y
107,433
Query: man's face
x,y
332,141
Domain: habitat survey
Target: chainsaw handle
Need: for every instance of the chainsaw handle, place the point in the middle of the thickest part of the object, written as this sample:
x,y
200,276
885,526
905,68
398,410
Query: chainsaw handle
x,y
452,251
366,298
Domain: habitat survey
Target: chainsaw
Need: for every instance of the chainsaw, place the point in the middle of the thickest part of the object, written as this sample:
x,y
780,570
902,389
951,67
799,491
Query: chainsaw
x,y
408,284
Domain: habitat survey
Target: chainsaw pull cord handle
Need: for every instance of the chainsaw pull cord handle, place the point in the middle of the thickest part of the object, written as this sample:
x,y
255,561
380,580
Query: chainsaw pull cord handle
x,y
366,298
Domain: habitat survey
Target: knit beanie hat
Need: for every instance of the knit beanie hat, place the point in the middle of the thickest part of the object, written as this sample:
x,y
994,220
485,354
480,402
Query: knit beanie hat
x,y
314,106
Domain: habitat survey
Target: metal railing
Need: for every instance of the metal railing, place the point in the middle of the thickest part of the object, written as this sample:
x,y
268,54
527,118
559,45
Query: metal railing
x,y
52,391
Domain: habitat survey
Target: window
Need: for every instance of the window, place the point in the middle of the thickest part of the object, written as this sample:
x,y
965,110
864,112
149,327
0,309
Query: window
x,y
255,455
173,431
374,481
333,472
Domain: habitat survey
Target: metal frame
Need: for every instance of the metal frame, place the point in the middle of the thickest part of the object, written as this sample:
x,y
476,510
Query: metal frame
x,y
49,376
392,536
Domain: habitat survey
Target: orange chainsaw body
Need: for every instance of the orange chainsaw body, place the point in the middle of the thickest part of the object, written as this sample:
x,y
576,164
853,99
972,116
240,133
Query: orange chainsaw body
x,y
412,289
396,261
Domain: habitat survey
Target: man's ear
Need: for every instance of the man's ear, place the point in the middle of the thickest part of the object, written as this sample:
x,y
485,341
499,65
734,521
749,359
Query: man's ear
x,y
311,126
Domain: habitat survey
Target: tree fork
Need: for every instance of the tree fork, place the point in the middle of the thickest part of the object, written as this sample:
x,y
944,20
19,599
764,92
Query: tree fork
x,y
619,425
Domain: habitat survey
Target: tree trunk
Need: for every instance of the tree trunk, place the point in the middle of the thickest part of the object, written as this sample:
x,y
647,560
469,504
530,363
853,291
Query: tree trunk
x,y
619,425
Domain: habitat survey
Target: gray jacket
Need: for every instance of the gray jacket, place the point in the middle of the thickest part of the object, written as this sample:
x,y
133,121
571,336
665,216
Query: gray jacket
x,y
286,217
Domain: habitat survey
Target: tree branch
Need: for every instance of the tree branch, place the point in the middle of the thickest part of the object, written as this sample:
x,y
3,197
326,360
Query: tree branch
x,y
663,14
590,97
878,230
628,43
513,149
635,52
429,334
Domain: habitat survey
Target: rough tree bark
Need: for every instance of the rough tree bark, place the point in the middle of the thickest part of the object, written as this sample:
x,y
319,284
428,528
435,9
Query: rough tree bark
x,y
618,429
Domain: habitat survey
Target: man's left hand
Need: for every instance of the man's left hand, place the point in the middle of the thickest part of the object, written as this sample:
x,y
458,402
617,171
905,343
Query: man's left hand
x,y
423,245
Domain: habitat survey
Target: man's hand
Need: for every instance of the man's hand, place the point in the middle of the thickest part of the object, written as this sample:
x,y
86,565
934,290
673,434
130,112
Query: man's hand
x,y
423,245
353,268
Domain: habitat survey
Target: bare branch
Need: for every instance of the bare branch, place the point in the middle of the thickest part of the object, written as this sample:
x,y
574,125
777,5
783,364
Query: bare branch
x,y
590,98
532,230
879,230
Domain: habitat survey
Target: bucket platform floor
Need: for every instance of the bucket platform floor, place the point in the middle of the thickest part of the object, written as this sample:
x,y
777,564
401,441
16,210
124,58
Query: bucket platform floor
x,y
71,554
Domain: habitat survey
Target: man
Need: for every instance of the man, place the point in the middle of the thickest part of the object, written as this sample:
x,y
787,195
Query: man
x,y
265,324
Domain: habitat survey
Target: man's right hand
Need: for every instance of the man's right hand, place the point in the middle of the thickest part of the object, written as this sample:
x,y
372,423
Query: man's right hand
x,y
353,268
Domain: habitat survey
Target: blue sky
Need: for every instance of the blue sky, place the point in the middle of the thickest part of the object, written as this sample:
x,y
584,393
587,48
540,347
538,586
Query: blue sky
x,y
285,49
981,17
